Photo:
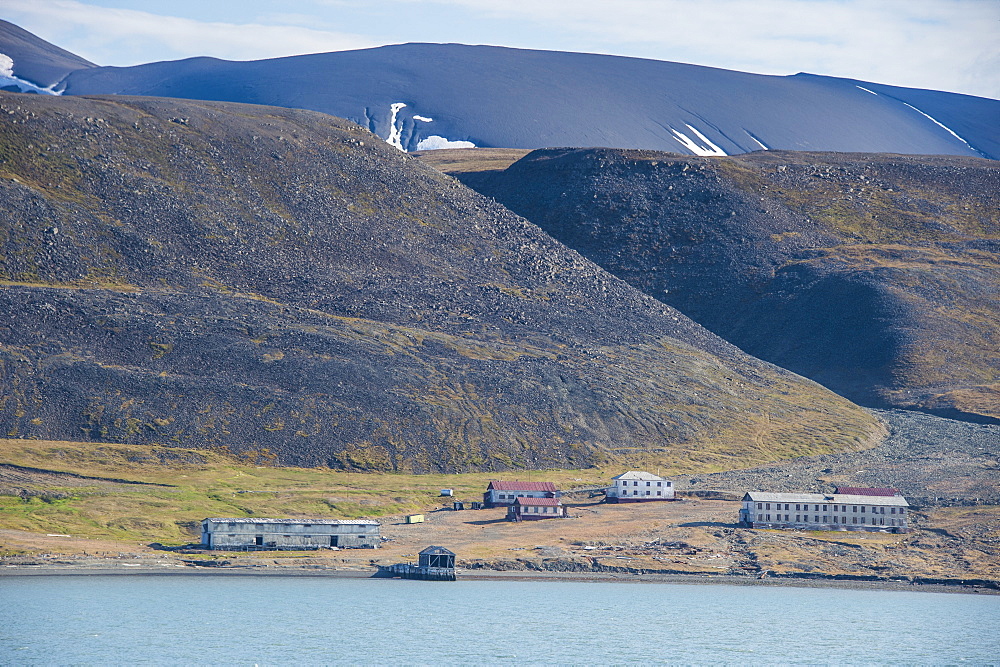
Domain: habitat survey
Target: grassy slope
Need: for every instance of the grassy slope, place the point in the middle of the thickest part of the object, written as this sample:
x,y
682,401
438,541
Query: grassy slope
x,y
182,486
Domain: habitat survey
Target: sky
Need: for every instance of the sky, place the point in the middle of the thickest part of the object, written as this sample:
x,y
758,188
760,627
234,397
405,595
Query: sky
x,y
951,45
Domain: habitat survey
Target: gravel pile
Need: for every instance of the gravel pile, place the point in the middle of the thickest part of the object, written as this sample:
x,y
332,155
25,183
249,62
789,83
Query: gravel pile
x,y
932,460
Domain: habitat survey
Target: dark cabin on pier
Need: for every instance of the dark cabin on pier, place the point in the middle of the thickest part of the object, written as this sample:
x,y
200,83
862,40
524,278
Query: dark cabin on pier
x,y
436,557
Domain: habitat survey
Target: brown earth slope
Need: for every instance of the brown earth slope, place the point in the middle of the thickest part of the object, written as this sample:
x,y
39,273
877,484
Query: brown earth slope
x,y
875,275
284,284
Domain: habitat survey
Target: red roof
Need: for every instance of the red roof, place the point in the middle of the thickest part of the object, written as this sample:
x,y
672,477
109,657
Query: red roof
x,y
546,502
861,491
522,486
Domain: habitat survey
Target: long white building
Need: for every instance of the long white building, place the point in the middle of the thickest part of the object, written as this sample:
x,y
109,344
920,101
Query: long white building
x,y
636,486
288,534
825,511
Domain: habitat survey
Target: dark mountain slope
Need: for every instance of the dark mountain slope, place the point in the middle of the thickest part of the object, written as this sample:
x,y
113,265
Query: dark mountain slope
x,y
283,283
36,60
875,275
518,98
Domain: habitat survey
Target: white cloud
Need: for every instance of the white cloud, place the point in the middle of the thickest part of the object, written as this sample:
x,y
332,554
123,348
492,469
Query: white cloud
x,y
110,36
942,44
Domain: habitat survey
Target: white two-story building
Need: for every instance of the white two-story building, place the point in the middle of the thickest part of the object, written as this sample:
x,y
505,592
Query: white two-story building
x,y
636,486
825,511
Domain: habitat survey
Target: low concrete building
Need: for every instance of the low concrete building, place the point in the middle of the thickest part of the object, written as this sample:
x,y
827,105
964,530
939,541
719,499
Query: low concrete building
x,y
636,486
531,509
289,534
500,493
825,511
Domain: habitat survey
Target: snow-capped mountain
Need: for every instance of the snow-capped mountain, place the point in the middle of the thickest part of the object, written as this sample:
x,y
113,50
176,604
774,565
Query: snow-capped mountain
x,y
419,96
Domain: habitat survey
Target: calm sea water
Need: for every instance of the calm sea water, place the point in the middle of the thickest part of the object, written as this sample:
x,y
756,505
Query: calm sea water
x,y
191,620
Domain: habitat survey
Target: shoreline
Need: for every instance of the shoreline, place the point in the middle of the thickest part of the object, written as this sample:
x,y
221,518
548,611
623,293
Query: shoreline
x,y
953,587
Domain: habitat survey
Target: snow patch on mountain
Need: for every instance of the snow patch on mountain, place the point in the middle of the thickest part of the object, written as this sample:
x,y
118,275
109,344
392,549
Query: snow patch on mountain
x,y
434,142
942,125
424,119
706,149
8,79
760,143
866,90
395,137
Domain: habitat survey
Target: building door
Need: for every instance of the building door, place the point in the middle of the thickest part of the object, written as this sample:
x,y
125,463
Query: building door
x,y
333,540
259,540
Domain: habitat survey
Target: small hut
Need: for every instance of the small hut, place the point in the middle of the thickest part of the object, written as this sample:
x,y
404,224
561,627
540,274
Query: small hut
x,y
436,557
433,564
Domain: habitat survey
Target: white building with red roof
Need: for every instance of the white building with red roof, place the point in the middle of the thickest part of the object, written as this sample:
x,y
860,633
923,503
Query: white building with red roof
x,y
532,509
500,493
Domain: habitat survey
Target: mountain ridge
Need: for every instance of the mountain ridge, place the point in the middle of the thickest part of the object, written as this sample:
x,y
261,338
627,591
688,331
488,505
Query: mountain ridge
x,y
423,95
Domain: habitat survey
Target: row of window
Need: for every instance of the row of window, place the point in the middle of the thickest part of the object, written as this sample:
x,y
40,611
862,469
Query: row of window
x,y
625,483
836,508
804,518
637,492
543,510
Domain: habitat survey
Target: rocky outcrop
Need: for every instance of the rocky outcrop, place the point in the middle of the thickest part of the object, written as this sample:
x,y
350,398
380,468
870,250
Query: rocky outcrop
x,y
875,275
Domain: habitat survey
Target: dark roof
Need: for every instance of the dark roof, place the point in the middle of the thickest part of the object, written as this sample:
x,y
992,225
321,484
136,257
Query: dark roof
x,y
862,491
522,486
437,551
548,502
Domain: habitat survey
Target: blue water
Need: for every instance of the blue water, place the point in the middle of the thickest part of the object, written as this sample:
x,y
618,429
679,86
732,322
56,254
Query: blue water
x,y
224,620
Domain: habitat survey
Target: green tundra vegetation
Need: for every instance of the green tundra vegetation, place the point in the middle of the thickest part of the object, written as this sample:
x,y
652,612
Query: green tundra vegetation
x,y
149,493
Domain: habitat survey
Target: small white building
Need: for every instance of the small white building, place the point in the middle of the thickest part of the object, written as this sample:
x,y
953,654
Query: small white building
x,y
825,511
530,509
500,493
288,534
636,486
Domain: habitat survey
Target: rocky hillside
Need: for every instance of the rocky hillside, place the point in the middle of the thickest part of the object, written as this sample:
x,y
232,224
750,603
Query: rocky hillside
x,y
283,284
875,275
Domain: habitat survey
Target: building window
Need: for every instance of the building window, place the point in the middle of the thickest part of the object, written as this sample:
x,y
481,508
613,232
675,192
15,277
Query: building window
x,y
796,518
854,519
855,508
648,484
768,506
796,508
892,522
767,516
815,519
862,509
826,518
659,483
892,510
760,506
